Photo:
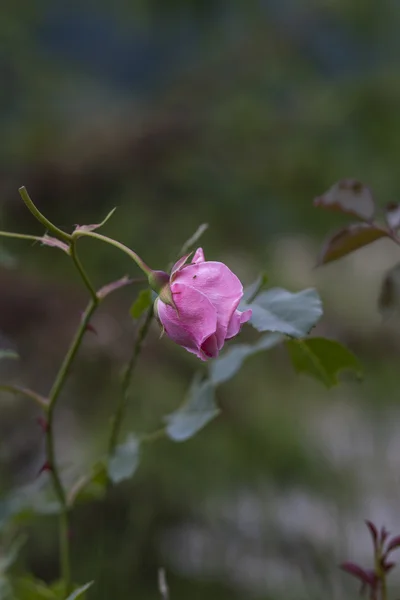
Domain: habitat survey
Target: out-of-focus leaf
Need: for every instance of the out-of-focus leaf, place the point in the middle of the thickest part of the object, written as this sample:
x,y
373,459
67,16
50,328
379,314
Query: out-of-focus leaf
x,y
6,592
225,367
348,240
366,576
8,261
278,310
96,225
254,289
392,214
141,304
91,486
29,588
9,555
80,591
322,359
349,196
25,502
113,286
389,297
188,245
198,410
8,354
125,460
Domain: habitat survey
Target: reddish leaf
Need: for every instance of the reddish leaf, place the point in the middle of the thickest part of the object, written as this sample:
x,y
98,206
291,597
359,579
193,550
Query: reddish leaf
x,y
392,214
348,240
47,240
365,575
95,225
393,544
349,196
374,533
114,285
383,535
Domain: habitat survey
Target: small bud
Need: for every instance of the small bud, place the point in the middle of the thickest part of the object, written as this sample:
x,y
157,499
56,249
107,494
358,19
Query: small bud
x,y
159,282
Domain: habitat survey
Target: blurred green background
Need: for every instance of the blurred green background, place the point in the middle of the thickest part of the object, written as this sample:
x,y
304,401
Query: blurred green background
x,y
181,112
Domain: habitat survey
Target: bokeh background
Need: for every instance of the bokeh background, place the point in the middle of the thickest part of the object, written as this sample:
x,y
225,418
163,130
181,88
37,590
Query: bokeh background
x,y
181,112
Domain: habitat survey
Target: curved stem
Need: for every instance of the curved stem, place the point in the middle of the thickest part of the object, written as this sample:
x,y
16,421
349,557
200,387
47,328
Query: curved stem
x,y
82,272
15,389
98,236
67,237
123,400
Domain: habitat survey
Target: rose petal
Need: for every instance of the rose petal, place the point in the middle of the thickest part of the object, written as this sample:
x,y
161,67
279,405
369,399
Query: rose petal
x,y
179,264
210,346
221,287
195,321
237,320
198,256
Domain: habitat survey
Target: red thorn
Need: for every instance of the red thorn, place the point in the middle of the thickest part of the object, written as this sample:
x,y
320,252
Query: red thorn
x,y
90,328
45,468
43,424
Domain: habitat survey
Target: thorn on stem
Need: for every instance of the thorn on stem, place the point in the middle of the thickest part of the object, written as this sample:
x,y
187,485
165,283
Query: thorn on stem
x,y
42,422
45,468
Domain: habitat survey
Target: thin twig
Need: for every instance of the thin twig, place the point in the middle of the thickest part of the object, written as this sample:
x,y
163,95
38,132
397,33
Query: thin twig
x,y
124,397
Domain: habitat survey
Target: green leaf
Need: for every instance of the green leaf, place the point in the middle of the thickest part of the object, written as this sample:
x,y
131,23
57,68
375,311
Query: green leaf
x,y
252,291
91,486
322,359
349,196
278,310
29,588
80,591
198,410
10,554
125,460
141,304
8,354
348,240
25,502
226,366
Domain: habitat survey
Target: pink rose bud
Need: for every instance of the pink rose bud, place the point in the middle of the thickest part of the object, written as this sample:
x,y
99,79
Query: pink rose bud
x,y
206,295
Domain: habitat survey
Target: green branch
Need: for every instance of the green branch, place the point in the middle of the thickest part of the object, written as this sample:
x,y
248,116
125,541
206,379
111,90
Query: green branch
x,y
66,237
81,232
124,397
